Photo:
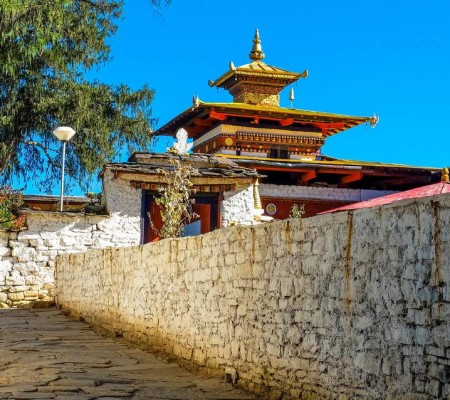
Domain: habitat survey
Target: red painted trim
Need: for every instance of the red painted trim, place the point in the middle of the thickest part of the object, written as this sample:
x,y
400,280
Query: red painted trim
x,y
309,176
218,116
287,121
352,178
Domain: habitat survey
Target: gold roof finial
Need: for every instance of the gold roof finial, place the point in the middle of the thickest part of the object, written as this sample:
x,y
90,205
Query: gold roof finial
x,y
444,175
256,198
256,54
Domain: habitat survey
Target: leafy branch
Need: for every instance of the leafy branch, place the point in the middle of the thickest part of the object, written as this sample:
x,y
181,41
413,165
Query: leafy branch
x,y
10,202
175,200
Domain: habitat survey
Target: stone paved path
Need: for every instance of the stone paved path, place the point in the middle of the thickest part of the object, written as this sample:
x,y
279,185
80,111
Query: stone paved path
x,y
45,355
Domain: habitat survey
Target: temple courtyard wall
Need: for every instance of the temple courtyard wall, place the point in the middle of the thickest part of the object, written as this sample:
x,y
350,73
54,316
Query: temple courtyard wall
x,y
27,261
339,306
27,257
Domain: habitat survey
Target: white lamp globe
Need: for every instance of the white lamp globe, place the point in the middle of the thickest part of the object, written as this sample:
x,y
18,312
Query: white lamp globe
x,y
64,133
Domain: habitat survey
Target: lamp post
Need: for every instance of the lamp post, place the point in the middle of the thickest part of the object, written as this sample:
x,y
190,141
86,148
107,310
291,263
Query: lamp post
x,y
64,134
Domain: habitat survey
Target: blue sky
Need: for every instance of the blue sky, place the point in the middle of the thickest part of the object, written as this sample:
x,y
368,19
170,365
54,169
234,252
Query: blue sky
x,y
390,58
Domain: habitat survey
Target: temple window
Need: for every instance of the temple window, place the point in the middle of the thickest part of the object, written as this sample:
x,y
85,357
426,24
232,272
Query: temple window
x,y
279,153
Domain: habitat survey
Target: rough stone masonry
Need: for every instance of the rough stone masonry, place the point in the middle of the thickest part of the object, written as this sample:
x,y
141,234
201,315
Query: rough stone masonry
x,y
341,306
27,257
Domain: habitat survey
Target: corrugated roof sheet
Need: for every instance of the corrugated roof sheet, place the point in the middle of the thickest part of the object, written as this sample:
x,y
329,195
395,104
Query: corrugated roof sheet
x,y
424,191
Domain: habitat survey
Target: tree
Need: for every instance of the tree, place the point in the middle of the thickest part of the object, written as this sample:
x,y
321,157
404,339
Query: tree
x,y
46,47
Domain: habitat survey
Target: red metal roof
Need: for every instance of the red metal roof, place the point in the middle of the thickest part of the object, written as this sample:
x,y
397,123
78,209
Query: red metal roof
x,y
424,191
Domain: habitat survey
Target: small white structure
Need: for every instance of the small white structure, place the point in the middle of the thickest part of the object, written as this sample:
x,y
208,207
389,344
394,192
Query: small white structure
x,y
223,196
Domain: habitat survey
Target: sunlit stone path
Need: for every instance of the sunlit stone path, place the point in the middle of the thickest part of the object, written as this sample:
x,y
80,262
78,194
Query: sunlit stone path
x,y
45,355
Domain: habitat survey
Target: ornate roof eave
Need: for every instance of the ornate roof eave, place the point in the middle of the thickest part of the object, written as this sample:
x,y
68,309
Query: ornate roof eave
x,y
330,163
284,76
200,110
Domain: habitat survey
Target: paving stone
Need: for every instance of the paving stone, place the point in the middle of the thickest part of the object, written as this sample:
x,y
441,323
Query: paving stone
x,y
45,355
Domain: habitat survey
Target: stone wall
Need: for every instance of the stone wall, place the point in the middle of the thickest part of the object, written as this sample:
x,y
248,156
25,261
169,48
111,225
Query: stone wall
x,y
320,193
340,306
27,257
237,207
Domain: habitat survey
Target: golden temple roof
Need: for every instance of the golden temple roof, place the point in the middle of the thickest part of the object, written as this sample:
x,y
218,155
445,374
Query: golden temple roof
x,y
283,112
256,74
257,69
201,116
330,161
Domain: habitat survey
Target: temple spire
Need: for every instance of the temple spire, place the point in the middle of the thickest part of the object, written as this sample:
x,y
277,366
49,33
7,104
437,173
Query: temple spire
x,y
256,83
256,54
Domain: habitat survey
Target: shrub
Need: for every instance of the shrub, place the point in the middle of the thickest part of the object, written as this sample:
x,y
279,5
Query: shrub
x,y
10,202
297,211
175,201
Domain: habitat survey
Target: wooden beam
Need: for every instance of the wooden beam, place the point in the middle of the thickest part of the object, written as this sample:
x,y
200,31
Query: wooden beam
x,y
142,177
270,168
287,121
194,130
406,181
329,125
351,178
309,176
218,116
202,122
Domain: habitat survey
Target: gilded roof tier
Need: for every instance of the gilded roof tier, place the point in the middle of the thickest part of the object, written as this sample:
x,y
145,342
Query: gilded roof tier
x,y
257,69
201,116
329,162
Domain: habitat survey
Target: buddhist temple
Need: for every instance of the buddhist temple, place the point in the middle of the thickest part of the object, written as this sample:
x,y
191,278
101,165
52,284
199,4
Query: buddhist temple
x,y
285,144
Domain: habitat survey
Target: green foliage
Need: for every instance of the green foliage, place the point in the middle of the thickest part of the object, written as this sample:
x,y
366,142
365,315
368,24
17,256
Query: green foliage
x,y
297,211
175,200
10,203
46,48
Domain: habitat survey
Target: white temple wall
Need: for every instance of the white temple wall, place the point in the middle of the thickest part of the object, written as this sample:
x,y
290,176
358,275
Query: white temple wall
x,y
320,193
27,265
237,207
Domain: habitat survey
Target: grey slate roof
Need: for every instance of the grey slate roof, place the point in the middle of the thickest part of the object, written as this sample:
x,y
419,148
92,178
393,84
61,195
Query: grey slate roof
x,y
204,165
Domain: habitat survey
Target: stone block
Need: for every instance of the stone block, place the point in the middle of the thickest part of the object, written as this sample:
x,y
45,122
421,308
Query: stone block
x,y
16,296
432,388
14,280
293,335
422,335
5,251
287,287
31,295
15,244
6,264
435,351
440,311
419,316
31,280
440,335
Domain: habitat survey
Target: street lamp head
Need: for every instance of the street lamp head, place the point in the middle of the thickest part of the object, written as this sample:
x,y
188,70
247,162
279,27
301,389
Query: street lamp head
x,y
64,133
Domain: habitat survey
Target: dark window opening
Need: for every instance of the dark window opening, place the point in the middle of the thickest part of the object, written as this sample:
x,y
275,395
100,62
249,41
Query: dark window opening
x,y
279,153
